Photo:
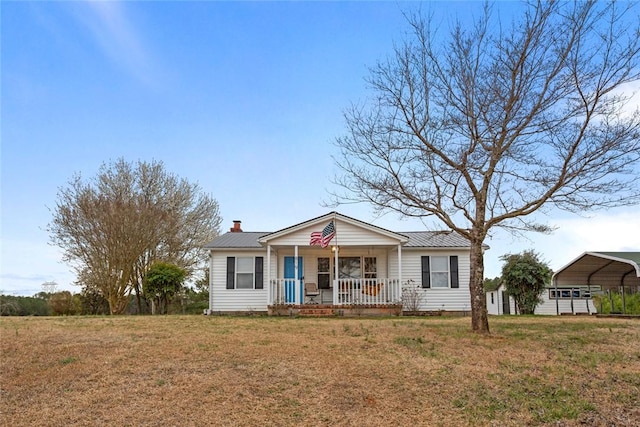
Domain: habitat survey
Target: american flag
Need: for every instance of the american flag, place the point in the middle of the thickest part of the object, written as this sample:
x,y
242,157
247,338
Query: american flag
x,y
323,239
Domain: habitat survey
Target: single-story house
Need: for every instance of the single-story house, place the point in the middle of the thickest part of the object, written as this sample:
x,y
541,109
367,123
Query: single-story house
x,y
573,286
337,261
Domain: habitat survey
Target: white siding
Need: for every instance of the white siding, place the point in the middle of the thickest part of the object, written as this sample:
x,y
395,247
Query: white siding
x,y
450,299
346,234
547,307
496,308
353,240
223,299
493,307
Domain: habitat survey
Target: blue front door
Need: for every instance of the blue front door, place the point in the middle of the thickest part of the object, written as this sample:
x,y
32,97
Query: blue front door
x,y
289,275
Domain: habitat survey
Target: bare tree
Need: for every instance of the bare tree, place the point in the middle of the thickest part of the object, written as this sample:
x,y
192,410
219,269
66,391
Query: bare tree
x,y
113,227
483,126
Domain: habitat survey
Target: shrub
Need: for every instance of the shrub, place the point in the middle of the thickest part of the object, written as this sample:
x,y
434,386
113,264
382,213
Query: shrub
x,y
63,304
412,296
631,303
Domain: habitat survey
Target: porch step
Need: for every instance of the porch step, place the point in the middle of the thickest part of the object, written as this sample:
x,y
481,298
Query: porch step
x,y
315,312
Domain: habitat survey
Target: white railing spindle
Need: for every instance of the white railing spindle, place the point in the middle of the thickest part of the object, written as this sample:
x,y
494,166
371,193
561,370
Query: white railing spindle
x,y
380,291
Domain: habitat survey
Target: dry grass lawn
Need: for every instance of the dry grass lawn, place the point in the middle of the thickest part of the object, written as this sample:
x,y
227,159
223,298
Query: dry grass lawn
x,y
235,371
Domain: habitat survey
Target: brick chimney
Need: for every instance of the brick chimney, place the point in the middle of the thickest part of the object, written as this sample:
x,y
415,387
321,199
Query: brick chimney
x,y
236,226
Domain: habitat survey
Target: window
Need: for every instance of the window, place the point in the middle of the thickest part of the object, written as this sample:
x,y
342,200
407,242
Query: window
x,y
349,268
324,273
571,293
370,268
245,272
440,272
492,300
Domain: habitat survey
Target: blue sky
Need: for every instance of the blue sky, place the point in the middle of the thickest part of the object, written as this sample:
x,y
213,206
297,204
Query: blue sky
x,y
244,98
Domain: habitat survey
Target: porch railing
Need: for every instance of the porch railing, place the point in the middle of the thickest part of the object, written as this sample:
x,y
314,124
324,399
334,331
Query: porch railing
x,y
382,291
286,291
366,291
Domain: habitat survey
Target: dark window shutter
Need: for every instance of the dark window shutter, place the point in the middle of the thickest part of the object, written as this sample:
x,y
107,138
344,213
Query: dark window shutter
x,y
259,270
426,274
231,272
453,270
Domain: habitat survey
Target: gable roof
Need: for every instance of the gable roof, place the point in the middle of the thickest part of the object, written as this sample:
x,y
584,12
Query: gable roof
x,y
333,216
411,239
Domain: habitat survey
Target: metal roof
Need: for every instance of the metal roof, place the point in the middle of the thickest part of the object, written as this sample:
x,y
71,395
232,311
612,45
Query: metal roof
x,y
435,239
237,240
417,239
601,268
629,256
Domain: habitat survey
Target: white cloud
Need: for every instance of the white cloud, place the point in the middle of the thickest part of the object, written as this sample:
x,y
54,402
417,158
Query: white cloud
x,y
28,265
605,231
631,90
116,34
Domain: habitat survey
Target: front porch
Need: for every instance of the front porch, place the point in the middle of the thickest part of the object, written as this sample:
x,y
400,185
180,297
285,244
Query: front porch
x,y
350,263
364,293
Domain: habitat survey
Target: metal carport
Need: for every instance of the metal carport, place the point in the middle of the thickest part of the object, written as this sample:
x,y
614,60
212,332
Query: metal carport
x,y
606,270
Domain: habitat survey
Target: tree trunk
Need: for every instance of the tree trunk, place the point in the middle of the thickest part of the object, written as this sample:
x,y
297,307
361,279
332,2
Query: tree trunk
x,y
479,320
136,287
165,308
112,299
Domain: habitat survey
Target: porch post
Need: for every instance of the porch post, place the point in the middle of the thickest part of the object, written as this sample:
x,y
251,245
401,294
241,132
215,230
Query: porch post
x,y
210,281
399,287
296,282
555,285
336,283
269,296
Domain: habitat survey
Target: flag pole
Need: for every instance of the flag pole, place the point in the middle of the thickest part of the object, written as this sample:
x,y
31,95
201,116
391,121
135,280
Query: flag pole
x,y
335,227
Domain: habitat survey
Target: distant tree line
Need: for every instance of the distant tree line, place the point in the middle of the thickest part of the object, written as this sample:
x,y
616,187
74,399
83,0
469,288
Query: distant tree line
x,y
185,300
36,305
